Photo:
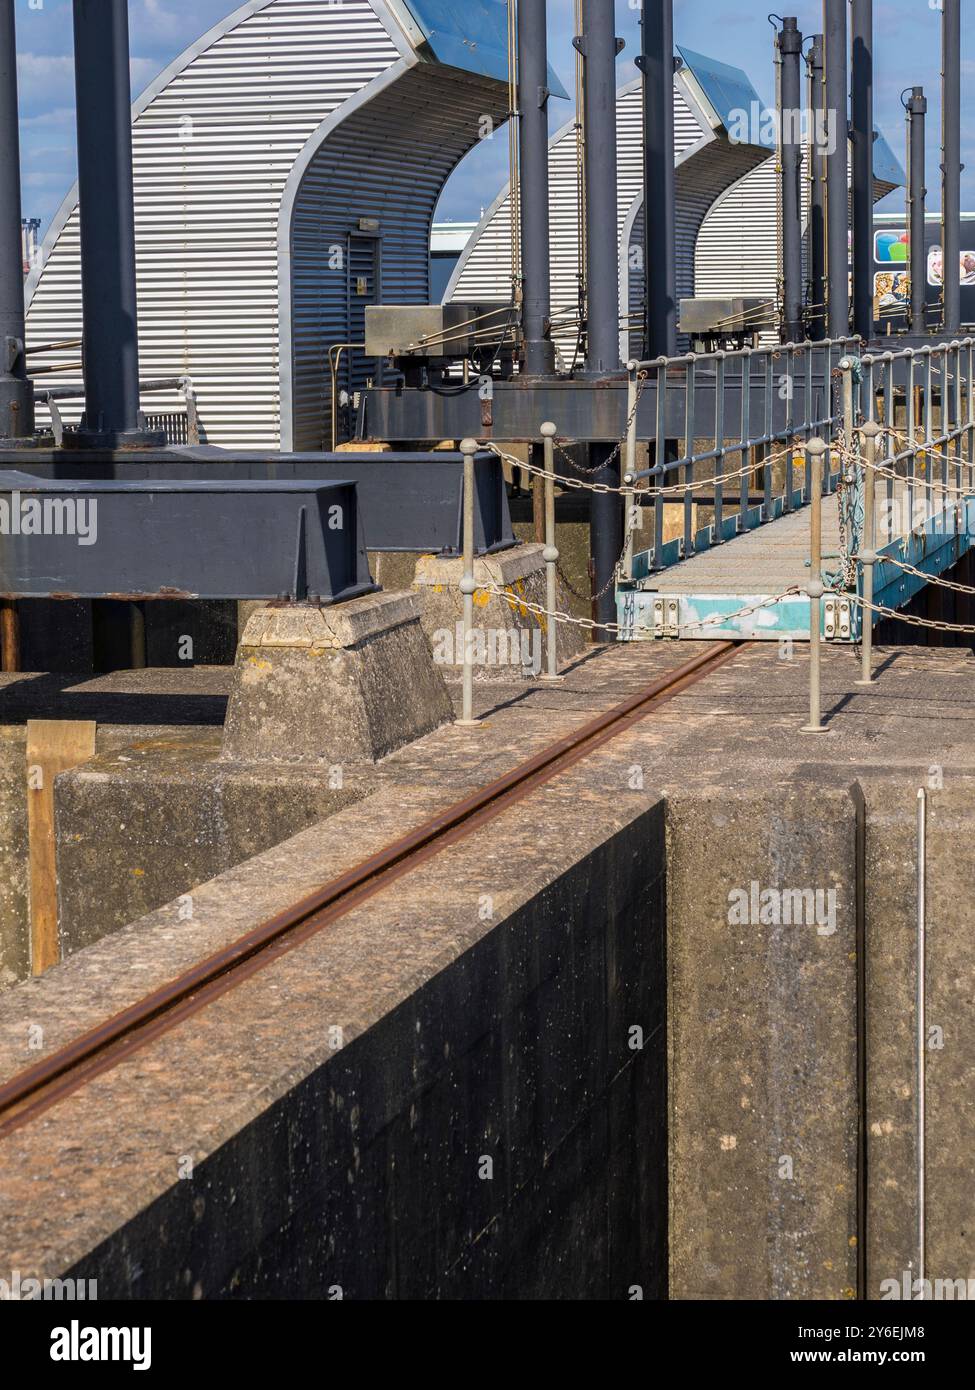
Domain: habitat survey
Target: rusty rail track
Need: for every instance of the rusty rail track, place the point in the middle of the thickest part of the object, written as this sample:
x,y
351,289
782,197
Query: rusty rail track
x,y
28,1094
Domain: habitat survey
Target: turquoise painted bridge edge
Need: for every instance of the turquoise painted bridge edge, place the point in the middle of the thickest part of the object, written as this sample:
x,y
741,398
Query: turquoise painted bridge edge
x,y
647,614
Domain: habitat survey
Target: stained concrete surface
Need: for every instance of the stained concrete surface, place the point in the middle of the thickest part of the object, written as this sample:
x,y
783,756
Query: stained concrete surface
x,y
728,747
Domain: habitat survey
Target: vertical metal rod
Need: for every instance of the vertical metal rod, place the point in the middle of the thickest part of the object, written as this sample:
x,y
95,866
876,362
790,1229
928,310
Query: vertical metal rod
x,y
550,555
921,1040
599,46
817,193
468,448
16,394
745,458
815,451
861,126
111,351
690,380
868,548
917,110
656,62
789,41
533,97
951,165
659,458
631,512
970,419
837,164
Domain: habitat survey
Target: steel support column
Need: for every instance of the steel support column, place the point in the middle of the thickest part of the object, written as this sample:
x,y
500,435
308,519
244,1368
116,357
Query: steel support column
x,y
533,162
789,41
656,62
861,125
599,47
837,165
111,352
917,108
817,193
16,396
951,165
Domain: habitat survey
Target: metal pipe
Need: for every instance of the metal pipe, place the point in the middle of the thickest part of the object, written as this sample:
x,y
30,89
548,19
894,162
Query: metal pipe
x,y
468,448
815,450
817,193
861,129
917,110
533,97
789,41
108,286
550,555
951,165
16,396
599,47
868,551
656,62
837,164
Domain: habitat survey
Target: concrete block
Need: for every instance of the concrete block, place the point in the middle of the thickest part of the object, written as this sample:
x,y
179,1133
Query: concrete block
x,y
321,685
138,825
762,1004
509,640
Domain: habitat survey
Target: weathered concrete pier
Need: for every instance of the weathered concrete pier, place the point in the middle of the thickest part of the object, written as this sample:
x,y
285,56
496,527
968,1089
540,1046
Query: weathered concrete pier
x,y
573,1000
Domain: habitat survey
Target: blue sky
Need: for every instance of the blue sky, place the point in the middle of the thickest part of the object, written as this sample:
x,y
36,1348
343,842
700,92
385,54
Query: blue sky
x,y
907,52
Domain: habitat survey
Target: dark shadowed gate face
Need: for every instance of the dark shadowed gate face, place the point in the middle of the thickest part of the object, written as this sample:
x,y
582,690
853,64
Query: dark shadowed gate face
x,y
363,287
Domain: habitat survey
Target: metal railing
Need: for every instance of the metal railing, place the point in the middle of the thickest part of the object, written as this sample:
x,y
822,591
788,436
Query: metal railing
x,y
178,429
794,386
913,461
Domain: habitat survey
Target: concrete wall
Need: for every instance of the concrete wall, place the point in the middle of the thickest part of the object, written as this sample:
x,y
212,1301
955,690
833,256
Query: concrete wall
x,y
367,1177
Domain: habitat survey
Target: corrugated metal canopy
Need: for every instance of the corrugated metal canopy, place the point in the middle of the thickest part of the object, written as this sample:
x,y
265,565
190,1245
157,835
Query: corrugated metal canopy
x,y
729,93
471,35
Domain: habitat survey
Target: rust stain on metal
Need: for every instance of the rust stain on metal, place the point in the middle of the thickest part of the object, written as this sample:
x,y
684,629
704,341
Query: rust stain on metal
x,y
34,1090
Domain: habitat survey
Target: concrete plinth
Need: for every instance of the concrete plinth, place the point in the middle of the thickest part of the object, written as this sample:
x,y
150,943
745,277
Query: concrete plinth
x,y
324,685
509,639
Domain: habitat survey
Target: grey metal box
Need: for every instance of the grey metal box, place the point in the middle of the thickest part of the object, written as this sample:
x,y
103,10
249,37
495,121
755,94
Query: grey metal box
x,y
400,330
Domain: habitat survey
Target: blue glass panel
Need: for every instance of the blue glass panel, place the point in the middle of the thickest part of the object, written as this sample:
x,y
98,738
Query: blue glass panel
x,y
730,93
471,35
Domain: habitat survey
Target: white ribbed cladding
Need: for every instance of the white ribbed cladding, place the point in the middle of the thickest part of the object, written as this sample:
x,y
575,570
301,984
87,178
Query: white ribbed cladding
x,y
484,271
387,160
703,173
212,151
738,246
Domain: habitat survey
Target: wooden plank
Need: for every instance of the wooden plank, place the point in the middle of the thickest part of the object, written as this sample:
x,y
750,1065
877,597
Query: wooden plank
x,y
53,746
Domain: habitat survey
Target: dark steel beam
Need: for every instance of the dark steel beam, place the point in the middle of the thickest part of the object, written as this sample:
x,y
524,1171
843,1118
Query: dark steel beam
x,y
180,540
407,501
533,97
656,62
789,41
951,165
111,349
917,109
861,125
837,167
16,396
817,193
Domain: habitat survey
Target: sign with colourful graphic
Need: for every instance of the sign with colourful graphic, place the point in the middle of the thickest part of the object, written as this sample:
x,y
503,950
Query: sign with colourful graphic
x,y
891,248
936,267
891,293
